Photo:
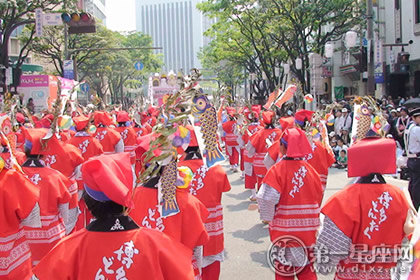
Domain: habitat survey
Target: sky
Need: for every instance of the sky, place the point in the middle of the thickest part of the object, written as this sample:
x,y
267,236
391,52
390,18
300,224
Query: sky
x,y
121,15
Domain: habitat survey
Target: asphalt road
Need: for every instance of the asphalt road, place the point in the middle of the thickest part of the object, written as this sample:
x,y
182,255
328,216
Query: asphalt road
x,y
246,238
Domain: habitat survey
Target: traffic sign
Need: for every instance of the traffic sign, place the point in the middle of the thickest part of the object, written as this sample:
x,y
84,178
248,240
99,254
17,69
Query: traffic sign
x,y
68,67
85,87
138,65
52,19
38,22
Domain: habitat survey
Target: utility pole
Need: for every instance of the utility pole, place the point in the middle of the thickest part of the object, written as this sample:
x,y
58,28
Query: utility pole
x,y
371,62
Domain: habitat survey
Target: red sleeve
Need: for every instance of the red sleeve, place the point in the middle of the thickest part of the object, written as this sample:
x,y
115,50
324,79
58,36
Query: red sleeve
x,y
337,209
225,180
273,179
22,194
194,215
174,259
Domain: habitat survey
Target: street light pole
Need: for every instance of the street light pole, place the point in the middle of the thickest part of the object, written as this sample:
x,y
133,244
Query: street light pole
x,y
371,63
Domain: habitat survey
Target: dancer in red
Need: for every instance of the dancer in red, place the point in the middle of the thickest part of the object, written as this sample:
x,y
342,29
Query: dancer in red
x,y
257,147
110,139
230,128
113,246
367,217
208,185
290,199
128,134
58,213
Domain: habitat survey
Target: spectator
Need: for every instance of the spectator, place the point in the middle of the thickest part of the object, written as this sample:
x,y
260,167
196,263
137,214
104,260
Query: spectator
x,y
340,145
338,123
347,120
342,159
345,136
30,105
401,125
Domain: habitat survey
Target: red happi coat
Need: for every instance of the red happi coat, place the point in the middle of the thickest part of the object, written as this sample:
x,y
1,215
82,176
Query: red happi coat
x,y
143,129
132,254
297,212
231,139
54,192
186,227
20,138
368,214
108,138
18,198
258,141
129,137
61,156
321,159
207,185
246,137
66,135
20,158
88,145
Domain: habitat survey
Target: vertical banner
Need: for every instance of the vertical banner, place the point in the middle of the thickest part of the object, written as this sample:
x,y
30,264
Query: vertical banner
x,y
38,22
379,69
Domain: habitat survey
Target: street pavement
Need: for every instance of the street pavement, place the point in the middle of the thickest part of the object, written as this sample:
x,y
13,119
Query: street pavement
x,y
246,238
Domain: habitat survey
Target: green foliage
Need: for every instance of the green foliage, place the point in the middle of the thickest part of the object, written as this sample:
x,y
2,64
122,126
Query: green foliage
x,y
105,70
261,35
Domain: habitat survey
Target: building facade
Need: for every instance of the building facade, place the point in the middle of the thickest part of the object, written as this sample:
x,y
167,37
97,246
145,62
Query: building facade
x,y
95,7
176,26
396,51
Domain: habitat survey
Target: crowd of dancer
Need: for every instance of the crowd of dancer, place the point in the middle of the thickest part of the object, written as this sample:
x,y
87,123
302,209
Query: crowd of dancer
x,y
111,194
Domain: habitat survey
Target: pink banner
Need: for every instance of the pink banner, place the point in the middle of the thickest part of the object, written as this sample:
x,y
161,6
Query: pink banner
x,y
34,81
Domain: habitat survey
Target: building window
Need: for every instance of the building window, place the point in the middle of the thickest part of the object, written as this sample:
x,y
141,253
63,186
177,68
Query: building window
x,y
397,4
417,11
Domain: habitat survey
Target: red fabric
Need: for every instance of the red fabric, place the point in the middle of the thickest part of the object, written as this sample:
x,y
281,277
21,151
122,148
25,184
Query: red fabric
x,y
20,138
321,159
186,227
47,120
250,182
297,212
18,196
122,116
129,137
274,151
140,131
82,255
66,135
229,128
88,146
35,135
234,157
81,122
246,137
287,122
208,185
303,115
20,158
363,200
102,118
53,193
115,171
211,272
193,137
297,143
268,117
380,152
242,167
61,156
230,111
108,138
258,141
20,118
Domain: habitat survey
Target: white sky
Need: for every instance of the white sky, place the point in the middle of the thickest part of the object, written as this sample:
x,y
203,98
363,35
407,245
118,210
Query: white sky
x,y
120,15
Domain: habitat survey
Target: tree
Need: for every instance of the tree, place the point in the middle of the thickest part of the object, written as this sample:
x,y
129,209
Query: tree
x,y
15,13
269,32
105,70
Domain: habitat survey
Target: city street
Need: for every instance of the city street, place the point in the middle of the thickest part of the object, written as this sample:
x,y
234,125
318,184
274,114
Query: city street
x,y
246,238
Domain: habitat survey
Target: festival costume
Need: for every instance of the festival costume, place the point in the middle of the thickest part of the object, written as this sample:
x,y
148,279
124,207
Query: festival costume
x,y
290,199
207,185
232,145
54,202
113,247
250,176
110,139
376,220
257,148
19,208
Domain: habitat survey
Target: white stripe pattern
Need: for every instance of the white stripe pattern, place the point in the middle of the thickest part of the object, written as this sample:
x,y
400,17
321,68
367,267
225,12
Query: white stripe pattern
x,y
17,256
